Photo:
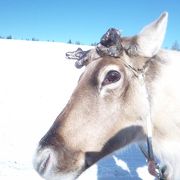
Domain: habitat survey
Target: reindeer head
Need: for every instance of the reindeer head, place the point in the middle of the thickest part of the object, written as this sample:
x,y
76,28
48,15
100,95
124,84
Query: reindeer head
x,y
107,108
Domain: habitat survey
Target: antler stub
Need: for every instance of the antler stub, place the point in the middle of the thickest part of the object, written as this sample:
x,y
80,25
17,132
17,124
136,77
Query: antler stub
x,y
110,45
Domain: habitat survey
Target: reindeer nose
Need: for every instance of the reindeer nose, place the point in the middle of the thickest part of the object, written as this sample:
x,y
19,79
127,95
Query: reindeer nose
x,y
43,161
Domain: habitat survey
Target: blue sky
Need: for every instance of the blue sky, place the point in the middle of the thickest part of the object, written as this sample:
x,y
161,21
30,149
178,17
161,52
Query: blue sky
x,y
82,20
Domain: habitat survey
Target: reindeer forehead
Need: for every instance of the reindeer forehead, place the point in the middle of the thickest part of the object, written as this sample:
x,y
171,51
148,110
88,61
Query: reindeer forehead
x,y
108,63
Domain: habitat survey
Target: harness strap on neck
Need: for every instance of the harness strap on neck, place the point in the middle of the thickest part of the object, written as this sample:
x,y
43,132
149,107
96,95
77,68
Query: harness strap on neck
x,y
153,167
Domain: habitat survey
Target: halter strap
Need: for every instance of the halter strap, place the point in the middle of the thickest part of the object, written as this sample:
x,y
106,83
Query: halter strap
x,y
153,166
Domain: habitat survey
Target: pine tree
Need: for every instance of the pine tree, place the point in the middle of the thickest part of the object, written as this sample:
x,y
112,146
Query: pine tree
x,y
94,44
176,46
77,42
9,37
69,42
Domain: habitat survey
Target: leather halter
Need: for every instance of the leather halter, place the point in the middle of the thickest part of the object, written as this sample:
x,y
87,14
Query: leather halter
x,y
153,166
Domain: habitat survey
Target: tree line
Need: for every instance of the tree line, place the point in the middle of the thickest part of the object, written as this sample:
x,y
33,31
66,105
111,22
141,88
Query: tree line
x,y
175,45
10,37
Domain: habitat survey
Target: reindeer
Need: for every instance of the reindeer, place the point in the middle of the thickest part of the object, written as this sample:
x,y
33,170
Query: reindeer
x,y
109,108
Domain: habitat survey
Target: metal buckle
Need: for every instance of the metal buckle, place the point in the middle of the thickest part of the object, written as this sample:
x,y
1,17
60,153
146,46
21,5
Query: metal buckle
x,y
160,171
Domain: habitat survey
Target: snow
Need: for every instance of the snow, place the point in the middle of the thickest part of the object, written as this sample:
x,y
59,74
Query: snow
x,y
36,82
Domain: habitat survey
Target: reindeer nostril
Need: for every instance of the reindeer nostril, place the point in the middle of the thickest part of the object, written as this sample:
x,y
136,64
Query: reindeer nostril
x,y
43,165
42,160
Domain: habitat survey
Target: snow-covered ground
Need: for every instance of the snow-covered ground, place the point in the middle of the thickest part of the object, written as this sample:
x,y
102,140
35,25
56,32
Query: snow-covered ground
x,y
35,83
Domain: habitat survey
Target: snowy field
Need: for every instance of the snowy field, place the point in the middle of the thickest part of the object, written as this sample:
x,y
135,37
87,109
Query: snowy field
x,y
35,83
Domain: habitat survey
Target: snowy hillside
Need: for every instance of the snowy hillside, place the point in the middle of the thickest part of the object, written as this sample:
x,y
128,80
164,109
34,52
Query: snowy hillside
x,y
35,83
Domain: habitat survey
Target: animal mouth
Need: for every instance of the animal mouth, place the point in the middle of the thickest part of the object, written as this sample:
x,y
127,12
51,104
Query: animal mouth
x,y
91,158
43,165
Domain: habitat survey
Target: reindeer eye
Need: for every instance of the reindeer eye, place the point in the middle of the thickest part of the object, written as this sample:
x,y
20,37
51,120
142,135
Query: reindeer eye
x,y
111,77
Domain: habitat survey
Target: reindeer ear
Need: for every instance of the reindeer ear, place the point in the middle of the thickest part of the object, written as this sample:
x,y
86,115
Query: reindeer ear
x,y
151,37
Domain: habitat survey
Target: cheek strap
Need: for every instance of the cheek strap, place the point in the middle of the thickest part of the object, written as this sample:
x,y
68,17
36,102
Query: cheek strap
x,y
153,166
